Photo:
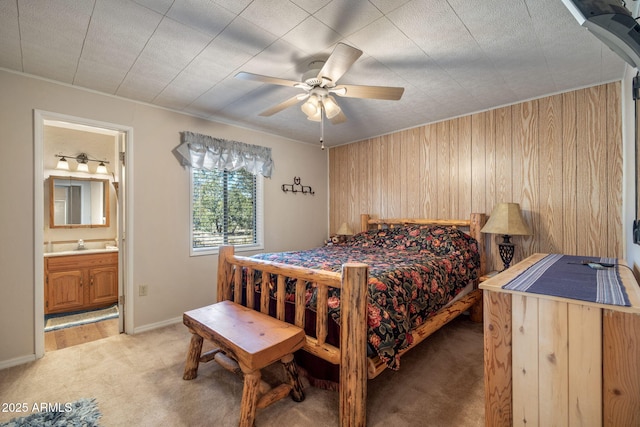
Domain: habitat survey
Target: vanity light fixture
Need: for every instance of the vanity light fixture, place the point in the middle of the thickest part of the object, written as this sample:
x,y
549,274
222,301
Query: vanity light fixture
x,y
62,164
83,163
102,169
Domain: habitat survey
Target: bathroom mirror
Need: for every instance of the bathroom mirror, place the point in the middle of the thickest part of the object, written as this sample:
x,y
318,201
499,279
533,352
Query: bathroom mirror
x,y
78,202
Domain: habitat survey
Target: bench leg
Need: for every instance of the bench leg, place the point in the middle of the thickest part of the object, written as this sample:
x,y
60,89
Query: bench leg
x,y
193,357
289,363
249,403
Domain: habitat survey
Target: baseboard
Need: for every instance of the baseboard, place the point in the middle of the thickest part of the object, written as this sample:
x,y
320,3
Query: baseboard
x,y
17,361
152,326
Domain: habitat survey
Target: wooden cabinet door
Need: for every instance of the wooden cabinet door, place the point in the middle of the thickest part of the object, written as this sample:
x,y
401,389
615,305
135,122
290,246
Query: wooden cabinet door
x,y
65,291
103,285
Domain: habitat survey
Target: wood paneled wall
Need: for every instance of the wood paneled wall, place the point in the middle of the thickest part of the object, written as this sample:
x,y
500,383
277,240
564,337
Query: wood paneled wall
x,y
560,157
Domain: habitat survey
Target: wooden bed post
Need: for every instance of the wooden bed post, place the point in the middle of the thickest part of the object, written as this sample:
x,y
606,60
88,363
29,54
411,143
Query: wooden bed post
x,y
364,222
353,345
224,273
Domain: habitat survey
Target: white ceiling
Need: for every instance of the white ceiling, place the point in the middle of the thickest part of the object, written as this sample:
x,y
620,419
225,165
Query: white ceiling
x,y
453,57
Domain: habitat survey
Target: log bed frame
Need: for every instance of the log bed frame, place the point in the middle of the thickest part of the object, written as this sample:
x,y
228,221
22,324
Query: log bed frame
x,y
355,366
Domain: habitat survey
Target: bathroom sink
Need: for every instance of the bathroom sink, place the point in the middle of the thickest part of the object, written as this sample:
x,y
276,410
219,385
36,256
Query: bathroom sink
x,y
82,251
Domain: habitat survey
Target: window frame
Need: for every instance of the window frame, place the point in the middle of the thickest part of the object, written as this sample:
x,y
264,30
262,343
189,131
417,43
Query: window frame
x,y
259,204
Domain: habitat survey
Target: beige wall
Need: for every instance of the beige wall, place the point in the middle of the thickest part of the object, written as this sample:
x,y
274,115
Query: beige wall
x,y
560,157
161,260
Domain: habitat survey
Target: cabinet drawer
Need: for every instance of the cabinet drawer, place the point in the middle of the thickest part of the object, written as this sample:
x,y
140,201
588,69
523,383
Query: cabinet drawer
x,y
84,261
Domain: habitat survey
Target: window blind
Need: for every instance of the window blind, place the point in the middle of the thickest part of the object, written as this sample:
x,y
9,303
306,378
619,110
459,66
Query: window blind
x,y
224,208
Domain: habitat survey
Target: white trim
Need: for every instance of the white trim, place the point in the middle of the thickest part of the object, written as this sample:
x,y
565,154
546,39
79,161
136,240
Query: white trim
x,y
157,325
38,234
127,259
16,361
40,116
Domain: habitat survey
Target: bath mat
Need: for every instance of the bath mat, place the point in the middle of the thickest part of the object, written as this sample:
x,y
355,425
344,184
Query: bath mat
x,y
56,321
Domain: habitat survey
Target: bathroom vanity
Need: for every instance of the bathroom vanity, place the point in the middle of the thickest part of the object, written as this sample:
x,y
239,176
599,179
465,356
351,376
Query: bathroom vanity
x,y
80,281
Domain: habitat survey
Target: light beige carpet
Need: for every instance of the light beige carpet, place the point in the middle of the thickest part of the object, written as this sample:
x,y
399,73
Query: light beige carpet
x,y
137,381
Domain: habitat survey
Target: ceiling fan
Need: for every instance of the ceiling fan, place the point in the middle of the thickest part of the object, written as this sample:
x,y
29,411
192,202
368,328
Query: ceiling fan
x,y
320,82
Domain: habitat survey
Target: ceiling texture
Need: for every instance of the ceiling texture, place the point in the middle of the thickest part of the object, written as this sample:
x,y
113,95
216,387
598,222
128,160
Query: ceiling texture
x,y
453,57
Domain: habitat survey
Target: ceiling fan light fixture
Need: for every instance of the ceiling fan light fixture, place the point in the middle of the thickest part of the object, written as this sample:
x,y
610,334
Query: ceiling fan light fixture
x,y
331,107
310,108
316,117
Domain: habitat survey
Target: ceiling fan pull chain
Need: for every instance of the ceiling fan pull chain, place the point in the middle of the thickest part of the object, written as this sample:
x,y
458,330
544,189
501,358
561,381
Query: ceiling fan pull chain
x,y
321,126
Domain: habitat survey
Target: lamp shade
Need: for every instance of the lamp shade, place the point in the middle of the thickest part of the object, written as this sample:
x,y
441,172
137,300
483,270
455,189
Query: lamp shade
x,y
63,164
310,108
102,169
344,230
331,107
82,167
506,219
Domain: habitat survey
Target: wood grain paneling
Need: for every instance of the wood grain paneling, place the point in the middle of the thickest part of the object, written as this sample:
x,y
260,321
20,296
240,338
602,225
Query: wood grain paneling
x,y
497,359
614,168
560,157
550,134
585,366
621,356
525,361
428,163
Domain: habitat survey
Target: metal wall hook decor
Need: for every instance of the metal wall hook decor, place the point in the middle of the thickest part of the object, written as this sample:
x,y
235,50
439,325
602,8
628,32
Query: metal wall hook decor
x,y
296,187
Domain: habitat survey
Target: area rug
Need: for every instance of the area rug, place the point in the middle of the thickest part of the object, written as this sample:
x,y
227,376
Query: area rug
x,y
81,413
56,321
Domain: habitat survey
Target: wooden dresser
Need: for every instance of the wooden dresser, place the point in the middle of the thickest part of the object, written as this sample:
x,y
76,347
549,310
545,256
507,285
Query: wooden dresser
x,y
551,361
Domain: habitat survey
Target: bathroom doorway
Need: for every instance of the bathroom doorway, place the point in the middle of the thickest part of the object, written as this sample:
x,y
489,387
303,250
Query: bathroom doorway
x,y
82,284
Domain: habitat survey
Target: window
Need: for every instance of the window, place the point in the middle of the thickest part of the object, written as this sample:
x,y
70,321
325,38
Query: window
x,y
226,209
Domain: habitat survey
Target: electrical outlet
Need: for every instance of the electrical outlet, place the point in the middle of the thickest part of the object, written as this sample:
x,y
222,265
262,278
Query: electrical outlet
x,y
143,290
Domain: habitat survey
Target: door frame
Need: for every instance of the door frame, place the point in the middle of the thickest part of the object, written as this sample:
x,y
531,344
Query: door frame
x,y
125,219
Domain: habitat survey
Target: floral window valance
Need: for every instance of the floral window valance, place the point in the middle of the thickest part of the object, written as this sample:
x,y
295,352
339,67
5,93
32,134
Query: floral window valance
x,y
205,152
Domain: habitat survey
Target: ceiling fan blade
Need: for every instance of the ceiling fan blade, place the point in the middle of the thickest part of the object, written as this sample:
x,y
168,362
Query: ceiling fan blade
x,y
370,92
339,118
266,79
286,104
340,60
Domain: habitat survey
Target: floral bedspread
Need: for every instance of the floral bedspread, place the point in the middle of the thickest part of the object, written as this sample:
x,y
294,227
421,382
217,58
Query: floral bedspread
x,y
413,272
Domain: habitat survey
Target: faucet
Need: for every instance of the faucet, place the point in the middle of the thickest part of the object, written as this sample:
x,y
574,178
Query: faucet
x,y
80,245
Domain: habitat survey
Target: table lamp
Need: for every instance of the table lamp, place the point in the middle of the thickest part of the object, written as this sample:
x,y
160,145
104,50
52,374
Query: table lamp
x,y
506,220
344,230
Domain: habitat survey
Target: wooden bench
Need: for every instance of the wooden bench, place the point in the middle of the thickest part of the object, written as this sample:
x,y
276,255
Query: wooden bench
x,y
248,341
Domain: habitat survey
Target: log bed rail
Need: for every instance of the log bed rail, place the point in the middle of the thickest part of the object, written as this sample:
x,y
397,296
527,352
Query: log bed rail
x,y
355,366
